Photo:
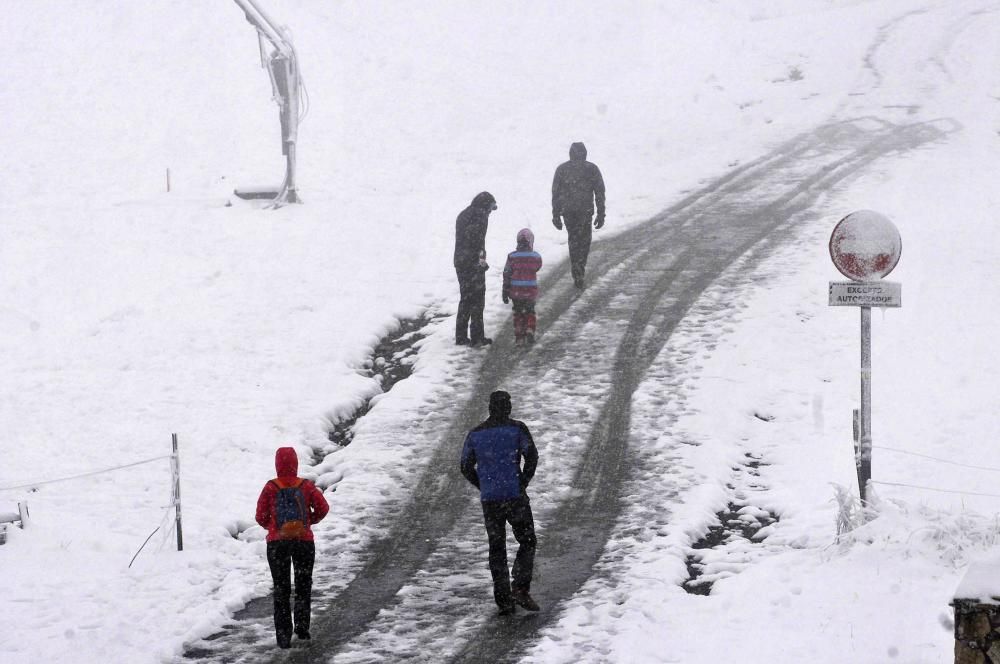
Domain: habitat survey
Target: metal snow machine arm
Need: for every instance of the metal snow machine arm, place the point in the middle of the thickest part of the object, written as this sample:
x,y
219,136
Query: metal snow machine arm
x,y
267,28
286,87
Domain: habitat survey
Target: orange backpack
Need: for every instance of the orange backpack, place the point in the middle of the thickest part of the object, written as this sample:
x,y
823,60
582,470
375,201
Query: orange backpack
x,y
290,510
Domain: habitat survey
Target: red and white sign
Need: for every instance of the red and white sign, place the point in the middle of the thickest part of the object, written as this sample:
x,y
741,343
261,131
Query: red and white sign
x,y
865,246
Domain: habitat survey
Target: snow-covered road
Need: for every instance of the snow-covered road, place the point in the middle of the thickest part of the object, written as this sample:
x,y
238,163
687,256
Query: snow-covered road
x,y
699,380
412,599
425,588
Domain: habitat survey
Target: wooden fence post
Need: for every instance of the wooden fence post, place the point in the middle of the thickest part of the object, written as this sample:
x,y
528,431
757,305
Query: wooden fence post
x,y
175,466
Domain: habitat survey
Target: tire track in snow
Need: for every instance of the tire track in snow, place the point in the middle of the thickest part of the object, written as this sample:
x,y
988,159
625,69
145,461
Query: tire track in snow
x,y
422,591
735,225
667,263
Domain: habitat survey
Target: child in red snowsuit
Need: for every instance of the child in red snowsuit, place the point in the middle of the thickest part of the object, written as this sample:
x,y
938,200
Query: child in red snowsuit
x,y
520,285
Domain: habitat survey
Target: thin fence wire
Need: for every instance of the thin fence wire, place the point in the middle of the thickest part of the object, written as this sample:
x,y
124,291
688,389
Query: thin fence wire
x,y
166,521
168,533
930,488
938,460
29,485
933,458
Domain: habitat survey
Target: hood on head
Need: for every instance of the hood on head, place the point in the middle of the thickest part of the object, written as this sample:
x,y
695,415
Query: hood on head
x,y
484,200
499,405
525,239
578,151
286,462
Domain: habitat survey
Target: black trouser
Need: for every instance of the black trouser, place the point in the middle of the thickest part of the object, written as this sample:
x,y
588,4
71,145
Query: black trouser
x,y
281,557
497,514
580,231
472,291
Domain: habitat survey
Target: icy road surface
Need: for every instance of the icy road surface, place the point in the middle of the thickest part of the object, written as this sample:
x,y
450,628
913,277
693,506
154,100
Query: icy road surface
x,y
424,591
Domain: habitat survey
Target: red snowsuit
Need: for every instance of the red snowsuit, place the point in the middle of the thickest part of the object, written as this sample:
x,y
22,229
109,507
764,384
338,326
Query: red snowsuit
x,y
520,283
286,463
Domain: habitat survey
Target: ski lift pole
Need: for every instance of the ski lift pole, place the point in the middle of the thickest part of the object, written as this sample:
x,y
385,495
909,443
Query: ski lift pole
x,y
175,468
285,77
282,66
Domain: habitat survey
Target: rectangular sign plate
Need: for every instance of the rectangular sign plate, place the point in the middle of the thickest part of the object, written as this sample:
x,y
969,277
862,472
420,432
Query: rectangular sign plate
x,y
866,294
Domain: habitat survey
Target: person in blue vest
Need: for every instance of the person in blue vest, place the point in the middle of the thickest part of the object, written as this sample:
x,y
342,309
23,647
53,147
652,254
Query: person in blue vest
x,y
492,458
288,505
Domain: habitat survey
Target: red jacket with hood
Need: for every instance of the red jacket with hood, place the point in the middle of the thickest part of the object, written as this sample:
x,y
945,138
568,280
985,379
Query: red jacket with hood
x,y
286,463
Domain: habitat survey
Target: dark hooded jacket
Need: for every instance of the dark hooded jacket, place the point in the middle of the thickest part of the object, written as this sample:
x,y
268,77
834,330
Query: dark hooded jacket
x,y
577,185
470,231
493,451
286,464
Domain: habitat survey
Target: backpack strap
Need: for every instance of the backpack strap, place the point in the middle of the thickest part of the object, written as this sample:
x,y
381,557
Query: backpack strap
x,y
277,482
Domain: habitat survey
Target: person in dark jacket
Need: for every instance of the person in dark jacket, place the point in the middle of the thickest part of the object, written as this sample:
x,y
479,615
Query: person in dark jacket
x,y
491,461
290,544
576,188
471,267
520,284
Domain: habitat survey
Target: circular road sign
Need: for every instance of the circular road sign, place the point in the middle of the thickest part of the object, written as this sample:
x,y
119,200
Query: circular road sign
x,y
865,246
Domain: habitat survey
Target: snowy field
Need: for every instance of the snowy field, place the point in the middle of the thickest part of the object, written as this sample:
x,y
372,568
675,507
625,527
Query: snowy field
x,y
128,313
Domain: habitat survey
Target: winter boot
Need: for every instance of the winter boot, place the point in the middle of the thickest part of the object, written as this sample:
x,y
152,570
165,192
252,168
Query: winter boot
x,y
523,599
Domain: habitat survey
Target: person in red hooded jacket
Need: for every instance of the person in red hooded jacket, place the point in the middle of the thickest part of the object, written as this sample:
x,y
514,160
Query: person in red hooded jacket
x,y
290,542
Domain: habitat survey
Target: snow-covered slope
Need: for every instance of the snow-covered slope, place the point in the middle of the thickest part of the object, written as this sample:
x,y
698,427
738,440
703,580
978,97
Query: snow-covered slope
x,y
128,313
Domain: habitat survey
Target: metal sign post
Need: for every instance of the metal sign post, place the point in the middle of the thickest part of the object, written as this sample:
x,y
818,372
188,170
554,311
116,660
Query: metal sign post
x,y
865,446
865,246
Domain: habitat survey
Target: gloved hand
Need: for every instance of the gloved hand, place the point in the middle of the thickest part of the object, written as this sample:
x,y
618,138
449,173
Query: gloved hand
x,y
599,222
505,298
557,222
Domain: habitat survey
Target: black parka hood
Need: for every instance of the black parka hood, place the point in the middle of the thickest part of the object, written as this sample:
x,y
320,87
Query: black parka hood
x,y
578,151
484,201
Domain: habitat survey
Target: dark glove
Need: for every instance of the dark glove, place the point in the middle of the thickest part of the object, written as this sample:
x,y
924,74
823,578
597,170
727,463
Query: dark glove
x,y
599,222
505,298
557,222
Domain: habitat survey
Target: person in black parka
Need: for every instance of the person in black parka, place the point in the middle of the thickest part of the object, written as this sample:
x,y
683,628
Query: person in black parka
x,y
471,267
492,457
576,187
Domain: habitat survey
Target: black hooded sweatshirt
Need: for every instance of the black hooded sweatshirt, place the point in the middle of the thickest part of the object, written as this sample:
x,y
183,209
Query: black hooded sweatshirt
x,y
470,231
577,185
